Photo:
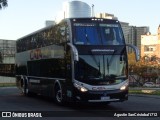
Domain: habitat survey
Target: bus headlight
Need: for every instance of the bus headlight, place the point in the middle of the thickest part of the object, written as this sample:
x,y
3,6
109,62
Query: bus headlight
x,y
124,87
80,88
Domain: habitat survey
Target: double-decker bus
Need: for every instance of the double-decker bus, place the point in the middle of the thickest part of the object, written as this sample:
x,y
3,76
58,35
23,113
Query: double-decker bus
x,y
78,59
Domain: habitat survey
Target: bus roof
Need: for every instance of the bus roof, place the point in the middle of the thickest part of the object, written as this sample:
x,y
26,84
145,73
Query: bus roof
x,y
36,32
48,27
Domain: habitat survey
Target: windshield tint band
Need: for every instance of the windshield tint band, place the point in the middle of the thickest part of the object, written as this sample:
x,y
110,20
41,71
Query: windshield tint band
x,y
109,50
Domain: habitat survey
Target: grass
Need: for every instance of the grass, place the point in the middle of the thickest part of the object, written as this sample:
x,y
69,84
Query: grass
x,y
7,84
145,91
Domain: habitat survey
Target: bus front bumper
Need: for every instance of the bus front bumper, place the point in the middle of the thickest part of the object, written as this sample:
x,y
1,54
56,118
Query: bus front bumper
x,y
102,96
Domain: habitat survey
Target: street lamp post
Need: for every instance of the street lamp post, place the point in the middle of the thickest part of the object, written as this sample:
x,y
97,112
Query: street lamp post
x,y
93,10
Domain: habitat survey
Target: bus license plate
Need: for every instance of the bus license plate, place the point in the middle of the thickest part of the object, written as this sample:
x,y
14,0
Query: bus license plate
x,y
105,98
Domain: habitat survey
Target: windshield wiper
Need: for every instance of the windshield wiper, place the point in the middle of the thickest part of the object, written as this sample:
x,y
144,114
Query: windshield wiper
x,y
98,64
109,62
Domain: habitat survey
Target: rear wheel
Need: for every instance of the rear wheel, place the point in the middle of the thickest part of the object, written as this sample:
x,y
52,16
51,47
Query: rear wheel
x,y
23,86
25,90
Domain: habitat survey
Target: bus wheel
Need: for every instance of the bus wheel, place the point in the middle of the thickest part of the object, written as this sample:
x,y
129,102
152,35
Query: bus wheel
x,y
27,93
58,95
25,90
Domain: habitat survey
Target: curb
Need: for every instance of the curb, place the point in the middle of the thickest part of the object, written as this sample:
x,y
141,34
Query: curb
x,y
144,88
142,95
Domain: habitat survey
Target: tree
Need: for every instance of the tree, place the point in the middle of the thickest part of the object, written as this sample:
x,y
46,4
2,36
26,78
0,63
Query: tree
x,y
3,3
147,69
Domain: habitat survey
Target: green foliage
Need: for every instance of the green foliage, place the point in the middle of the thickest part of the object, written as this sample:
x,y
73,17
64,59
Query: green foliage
x,y
148,68
7,84
156,92
145,66
3,3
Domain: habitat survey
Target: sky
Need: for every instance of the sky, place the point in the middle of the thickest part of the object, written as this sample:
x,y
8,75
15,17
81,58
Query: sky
x,y
22,17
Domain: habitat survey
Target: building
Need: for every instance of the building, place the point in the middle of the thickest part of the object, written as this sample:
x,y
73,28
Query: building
x,y
150,45
132,37
74,9
133,34
125,28
105,15
7,51
7,60
140,31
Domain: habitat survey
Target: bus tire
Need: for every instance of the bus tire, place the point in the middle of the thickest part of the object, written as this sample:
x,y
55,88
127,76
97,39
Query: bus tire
x,y
25,90
23,87
58,95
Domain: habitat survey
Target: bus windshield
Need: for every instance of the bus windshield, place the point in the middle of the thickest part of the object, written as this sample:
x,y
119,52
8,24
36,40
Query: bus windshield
x,y
97,34
100,67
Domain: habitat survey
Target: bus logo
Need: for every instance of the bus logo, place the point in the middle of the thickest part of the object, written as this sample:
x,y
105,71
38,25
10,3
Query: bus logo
x,y
98,88
102,50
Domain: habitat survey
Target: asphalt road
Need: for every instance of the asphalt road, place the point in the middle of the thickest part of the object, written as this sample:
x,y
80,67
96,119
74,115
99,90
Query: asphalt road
x,y
12,100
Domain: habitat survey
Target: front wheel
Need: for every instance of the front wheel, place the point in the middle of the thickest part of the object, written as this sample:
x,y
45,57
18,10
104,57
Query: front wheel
x,y
58,96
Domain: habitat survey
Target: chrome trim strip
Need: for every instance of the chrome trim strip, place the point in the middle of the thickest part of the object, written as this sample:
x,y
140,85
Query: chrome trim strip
x,y
110,100
42,77
46,78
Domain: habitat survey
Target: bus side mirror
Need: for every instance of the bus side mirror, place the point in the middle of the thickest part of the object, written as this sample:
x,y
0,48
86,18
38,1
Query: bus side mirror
x,y
136,51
